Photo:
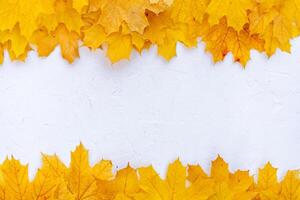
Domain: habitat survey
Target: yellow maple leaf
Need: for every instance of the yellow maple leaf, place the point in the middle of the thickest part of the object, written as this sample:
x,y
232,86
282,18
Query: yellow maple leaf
x,y
16,44
176,179
188,10
231,186
278,34
216,40
54,166
165,34
119,47
291,9
240,181
44,42
94,36
240,43
234,10
62,13
43,185
25,13
221,192
260,18
126,181
275,24
124,186
103,170
219,170
267,182
114,12
290,186
81,180
200,189
195,172
49,182
68,41
221,39
61,191
16,180
152,186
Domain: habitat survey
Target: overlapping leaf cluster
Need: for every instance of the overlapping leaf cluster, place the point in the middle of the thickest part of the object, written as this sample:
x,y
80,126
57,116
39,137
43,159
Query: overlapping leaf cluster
x,y
81,181
120,26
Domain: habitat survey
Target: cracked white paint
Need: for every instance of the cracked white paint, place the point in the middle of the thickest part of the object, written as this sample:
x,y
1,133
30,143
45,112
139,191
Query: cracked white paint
x,y
150,111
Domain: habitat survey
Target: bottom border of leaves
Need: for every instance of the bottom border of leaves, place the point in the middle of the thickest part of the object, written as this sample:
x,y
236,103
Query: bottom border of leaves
x,y
81,181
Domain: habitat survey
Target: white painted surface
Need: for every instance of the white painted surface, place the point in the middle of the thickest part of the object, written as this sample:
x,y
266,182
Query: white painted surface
x,y
150,111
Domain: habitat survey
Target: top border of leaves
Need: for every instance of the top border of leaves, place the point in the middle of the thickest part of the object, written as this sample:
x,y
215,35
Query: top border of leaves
x,y
119,26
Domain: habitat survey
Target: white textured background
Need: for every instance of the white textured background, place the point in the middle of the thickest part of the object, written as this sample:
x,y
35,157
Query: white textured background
x,y
150,111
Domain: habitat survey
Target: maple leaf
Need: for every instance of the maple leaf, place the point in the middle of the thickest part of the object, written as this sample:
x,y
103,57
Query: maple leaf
x,y
261,17
240,183
126,181
188,10
68,42
16,180
272,42
165,33
221,192
94,36
221,39
201,188
290,186
49,182
219,170
152,186
54,166
176,178
119,47
267,182
291,9
16,44
61,191
195,172
42,185
216,40
23,13
62,13
230,186
81,181
240,43
103,170
114,12
124,186
275,25
234,10
44,42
